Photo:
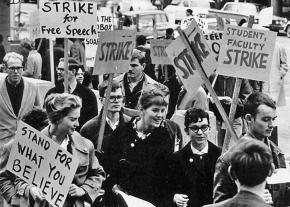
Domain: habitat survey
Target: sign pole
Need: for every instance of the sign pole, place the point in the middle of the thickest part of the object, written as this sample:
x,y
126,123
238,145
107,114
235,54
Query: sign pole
x,y
198,67
105,112
51,59
66,65
235,100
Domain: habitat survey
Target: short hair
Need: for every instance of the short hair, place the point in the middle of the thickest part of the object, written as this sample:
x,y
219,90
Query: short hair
x,y
59,106
189,11
12,57
104,85
194,115
256,99
251,162
137,54
140,40
36,117
169,31
151,97
27,44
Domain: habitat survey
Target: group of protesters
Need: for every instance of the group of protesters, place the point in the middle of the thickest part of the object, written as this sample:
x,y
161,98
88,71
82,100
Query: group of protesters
x,y
143,153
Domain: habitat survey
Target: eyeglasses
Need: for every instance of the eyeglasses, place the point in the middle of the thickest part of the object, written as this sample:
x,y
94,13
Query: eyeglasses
x,y
195,129
115,98
15,68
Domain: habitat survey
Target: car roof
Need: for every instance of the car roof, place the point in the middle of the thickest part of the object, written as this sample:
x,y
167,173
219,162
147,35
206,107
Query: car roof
x,y
141,12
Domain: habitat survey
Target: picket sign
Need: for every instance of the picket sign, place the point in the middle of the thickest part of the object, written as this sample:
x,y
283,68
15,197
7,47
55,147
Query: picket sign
x,y
116,65
193,52
235,100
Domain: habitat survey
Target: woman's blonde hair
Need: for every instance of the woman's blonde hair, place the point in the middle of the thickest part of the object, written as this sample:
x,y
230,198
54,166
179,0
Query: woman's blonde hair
x,y
59,105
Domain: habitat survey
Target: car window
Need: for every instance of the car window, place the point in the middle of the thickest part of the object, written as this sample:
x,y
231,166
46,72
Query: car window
x,y
248,9
146,22
231,8
161,18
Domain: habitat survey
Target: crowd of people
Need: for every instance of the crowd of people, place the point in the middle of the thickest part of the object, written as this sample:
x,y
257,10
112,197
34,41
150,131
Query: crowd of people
x,y
143,152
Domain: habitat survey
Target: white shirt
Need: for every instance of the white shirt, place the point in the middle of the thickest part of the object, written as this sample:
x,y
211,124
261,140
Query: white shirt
x,y
196,151
111,124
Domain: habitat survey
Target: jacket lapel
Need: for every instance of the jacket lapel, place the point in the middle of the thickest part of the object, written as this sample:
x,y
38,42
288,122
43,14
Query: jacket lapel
x,y
5,97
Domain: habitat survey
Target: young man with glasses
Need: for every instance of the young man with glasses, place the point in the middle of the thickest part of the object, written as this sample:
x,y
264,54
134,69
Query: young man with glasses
x,y
17,97
192,168
89,101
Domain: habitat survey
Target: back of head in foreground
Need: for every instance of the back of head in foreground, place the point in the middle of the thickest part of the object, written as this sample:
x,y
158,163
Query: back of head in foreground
x,y
251,163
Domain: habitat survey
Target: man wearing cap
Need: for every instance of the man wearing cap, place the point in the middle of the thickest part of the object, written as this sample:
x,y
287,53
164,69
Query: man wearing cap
x,y
34,61
90,106
17,97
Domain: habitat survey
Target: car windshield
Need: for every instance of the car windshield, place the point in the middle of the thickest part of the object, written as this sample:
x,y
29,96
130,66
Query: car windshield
x,y
231,7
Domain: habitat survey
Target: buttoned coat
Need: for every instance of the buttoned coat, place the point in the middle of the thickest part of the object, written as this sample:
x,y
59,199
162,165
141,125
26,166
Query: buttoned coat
x,y
187,178
89,174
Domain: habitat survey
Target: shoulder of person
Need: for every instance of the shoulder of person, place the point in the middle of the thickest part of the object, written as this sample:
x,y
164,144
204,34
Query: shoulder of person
x,y
82,143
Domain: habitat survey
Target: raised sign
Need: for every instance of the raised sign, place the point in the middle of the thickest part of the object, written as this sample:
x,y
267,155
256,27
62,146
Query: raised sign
x,y
41,162
157,51
68,19
246,53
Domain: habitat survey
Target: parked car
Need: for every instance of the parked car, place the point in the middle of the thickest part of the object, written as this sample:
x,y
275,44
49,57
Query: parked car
x,y
277,23
287,29
143,21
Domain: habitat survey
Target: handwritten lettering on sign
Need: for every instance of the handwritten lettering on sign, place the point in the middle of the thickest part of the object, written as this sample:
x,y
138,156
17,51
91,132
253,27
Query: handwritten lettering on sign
x,y
183,62
246,53
104,23
41,162
114,51
69,19
157,51
214,41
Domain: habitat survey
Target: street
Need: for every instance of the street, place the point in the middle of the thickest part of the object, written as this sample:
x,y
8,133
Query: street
x,y
283,120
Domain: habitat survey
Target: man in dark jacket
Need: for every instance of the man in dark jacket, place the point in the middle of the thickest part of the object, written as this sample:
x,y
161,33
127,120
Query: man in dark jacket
x,y
251,164
89,101
260,113
192,170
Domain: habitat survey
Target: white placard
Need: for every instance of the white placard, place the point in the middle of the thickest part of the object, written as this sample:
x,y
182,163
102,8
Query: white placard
x,y
157,51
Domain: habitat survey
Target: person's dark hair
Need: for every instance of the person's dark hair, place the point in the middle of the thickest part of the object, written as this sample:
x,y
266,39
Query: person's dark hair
x,y
137,54
194,115
127,21
88,79
59,41
27,45
189,11
1,38
104,85
256,99
251,162
140,40
152,97
59,106
169,32
36,117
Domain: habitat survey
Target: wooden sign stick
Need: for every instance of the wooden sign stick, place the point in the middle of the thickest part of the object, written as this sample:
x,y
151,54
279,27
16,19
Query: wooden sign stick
x,y
66,65
235,100
105,112
192,51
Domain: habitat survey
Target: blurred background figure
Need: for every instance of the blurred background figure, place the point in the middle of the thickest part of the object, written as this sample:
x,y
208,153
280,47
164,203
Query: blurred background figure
x,y
2,49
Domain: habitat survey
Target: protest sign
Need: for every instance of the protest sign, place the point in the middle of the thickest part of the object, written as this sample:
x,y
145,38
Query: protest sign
x,y
157,51
281,175
246,53
132,201
214,41
68,19
104,23
183,62
114,51
41,162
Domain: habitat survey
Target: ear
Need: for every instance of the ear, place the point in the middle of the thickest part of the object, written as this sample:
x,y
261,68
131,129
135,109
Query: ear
x,y
102,100
231,173
272,170
144,65
248,117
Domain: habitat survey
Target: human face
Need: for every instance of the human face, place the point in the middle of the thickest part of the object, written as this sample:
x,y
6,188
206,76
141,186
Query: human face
x,y
14,72
116,101
199,138
135,70
153,115
60,71
80,76
69,123
262,125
